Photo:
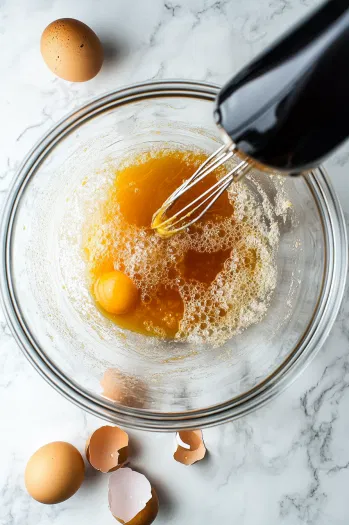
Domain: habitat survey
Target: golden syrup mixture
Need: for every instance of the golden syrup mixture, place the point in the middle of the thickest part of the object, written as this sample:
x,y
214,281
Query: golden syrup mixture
x,y
203,285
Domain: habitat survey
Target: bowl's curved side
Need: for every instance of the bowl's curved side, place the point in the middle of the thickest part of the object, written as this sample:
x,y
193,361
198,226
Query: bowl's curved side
x,y
318,329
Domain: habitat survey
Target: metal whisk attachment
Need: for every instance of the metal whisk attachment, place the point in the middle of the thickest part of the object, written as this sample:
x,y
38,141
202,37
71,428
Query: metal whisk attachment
x,y
167,225
282,112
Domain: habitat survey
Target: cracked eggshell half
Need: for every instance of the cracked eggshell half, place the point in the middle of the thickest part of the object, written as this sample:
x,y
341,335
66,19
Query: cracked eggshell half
x,y
107,448
190,447
132,500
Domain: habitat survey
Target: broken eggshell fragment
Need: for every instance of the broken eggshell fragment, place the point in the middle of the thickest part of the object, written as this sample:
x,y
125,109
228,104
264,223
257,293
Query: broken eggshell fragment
x,y
107,448
123,388
190,447
132,500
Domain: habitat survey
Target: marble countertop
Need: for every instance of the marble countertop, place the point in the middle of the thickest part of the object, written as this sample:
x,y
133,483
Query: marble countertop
x,y
287,464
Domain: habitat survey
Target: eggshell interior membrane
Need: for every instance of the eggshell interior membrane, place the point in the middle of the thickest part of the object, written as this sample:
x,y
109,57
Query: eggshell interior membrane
x,y
107,448
190,447
148,514
131,498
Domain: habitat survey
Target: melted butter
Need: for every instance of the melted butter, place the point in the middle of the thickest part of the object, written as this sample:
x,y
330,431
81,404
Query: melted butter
x,y
169,273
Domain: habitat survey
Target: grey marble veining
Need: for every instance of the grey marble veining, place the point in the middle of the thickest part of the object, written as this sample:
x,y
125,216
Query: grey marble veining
x,y
287,464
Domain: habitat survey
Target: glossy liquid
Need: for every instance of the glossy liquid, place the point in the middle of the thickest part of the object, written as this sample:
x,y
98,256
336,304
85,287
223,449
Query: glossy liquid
x,y
166,271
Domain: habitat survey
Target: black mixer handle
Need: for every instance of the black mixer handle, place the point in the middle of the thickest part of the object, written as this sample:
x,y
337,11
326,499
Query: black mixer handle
x,y
289,108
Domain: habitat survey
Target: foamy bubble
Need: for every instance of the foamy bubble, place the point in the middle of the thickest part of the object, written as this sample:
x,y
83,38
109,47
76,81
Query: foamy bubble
x,y
239,295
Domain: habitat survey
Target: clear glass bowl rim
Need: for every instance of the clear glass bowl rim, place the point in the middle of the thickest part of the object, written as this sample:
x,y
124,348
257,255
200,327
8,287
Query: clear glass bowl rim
x,y
335,238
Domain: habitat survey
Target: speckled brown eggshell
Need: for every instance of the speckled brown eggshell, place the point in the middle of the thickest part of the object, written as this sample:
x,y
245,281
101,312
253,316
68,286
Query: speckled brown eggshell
x,y
71,50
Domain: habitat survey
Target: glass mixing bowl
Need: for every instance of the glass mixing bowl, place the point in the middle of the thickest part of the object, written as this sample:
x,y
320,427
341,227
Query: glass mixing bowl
x,y
154,384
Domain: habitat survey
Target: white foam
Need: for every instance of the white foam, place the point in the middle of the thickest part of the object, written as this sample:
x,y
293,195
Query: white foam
x,y
238,297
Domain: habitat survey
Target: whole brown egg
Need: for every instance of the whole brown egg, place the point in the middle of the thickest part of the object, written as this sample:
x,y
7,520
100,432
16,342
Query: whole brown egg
x,y
71,50
54,473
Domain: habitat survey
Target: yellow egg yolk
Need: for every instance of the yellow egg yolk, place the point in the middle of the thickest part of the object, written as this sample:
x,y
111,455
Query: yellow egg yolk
x,y
203,284
115,292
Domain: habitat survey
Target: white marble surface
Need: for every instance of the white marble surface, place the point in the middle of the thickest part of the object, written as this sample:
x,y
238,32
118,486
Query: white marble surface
x,y
288,464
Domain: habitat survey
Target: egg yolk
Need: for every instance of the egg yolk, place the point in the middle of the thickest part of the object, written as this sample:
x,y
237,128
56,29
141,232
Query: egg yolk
x,y
198,283
115,292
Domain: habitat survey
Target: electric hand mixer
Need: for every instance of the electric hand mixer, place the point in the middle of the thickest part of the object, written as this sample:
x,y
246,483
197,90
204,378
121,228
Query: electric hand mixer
x,y
286,112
